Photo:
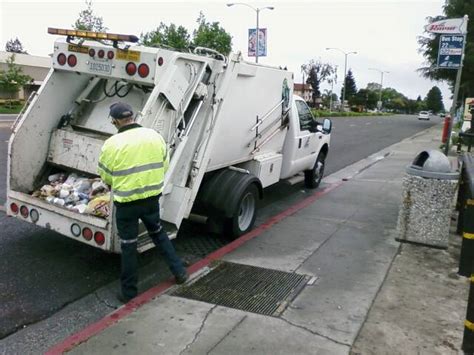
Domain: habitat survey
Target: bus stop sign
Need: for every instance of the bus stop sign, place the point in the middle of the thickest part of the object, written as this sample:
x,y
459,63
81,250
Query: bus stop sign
x,y
450,51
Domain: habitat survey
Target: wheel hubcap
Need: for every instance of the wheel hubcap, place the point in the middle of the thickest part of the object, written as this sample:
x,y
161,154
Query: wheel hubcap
x,y
247,210
319,171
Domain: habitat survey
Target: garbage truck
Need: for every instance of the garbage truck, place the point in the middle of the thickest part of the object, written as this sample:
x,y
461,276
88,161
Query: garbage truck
x,y
232,128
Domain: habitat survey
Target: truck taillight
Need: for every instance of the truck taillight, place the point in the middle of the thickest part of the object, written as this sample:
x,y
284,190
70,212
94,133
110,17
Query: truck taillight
x,y
99,238
131,68
14,208
87,234
92,52
24,211
101,53
110,55
160,61
61,59
72,60
143,70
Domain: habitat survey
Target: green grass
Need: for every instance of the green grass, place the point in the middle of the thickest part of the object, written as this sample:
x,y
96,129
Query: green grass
x,y
320,113
14,109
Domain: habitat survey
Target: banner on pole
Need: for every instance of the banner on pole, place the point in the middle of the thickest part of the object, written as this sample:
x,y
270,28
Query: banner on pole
x,y
262,42
448,26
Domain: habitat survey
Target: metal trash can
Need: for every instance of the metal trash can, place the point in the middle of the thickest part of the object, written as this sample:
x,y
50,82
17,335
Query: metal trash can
x,y
429,187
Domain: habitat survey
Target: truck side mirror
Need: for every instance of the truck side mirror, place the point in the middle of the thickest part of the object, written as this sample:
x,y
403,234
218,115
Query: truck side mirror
x,y
327,125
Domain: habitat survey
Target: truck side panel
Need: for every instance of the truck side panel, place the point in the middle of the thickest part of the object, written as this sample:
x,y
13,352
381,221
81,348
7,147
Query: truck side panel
x,y
254,92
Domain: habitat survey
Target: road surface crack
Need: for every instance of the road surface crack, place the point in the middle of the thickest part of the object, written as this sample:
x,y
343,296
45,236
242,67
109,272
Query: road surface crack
x,y
199,330
105,302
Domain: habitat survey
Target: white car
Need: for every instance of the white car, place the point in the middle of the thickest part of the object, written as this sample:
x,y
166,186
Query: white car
x,y
424,115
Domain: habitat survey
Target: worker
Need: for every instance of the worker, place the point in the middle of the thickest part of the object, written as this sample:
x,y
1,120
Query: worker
x,y
133,162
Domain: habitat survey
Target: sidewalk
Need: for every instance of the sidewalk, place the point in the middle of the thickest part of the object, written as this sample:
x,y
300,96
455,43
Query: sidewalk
x,y
359,287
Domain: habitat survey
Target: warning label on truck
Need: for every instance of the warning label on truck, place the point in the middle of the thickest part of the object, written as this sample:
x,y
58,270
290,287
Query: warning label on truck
x,y
132,56
78,49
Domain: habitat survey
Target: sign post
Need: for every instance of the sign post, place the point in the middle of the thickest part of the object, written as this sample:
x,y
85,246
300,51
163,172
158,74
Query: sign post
x,y
451,55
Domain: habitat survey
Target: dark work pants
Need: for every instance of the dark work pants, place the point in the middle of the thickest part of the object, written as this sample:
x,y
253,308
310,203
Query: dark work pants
x,y
127,215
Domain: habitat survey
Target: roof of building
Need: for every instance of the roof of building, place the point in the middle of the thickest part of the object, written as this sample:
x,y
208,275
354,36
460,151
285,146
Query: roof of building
x,y
301,87
26,59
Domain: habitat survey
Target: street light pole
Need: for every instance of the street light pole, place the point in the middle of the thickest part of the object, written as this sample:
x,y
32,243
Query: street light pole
x,y
345,73
381,84
257,10
256,37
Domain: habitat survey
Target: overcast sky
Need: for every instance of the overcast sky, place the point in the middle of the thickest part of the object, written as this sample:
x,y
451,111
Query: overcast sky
x,y
384,33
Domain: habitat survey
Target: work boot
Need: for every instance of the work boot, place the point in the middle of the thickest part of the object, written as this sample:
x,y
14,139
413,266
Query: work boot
x,y
181,279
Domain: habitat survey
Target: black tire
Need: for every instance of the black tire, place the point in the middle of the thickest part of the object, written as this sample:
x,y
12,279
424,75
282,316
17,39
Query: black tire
x,y
313,177
245,213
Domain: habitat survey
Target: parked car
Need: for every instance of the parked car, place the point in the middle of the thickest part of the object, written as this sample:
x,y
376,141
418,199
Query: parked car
x,y
424,115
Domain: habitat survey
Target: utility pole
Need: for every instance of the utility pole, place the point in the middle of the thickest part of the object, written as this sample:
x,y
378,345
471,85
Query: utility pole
x,y
379,104
345,73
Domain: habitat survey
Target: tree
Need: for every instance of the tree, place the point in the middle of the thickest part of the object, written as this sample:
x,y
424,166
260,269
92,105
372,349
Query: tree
x,y
209,35
15,46
351,89
434,100
13,78
87,21
317,72
212,35
429,44
373,87
168,36
366,99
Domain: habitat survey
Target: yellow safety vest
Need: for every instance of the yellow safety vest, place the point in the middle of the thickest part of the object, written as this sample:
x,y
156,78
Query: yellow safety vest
x,y
134,163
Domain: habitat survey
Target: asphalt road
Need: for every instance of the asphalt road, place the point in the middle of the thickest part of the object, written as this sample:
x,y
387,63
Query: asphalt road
x,y
43,271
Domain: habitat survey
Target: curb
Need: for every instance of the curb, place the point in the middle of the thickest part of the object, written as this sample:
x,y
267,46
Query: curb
x,y
146,297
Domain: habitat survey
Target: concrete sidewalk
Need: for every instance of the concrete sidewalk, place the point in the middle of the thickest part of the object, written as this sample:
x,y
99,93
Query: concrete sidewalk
x,y
342,238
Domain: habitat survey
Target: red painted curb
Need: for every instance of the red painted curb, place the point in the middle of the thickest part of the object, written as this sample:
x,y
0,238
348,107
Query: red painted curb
x,y
145,297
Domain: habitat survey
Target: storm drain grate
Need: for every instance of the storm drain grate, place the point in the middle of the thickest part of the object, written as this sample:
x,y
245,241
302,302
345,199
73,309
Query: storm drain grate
x,y
248,288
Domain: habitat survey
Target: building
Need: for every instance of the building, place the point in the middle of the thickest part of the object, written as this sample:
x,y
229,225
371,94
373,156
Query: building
x,y
303,90
35,66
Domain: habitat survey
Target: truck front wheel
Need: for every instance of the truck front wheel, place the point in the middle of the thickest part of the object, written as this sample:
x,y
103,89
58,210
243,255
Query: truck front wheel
x,y
243,217
313,177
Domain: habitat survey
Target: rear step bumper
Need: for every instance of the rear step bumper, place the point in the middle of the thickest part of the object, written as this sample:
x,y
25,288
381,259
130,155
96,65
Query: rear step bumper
x,y
61,220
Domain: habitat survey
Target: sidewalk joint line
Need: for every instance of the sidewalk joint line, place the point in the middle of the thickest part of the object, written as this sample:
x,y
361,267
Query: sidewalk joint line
x,y
399,249
314,332
227,334
199,330
344,222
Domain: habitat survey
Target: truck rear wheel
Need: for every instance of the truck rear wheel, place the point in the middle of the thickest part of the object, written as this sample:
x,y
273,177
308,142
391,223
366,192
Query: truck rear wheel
x,y
313,177
245,213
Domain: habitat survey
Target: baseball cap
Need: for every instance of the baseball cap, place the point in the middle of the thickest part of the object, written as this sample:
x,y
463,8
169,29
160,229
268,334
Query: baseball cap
x,y
120,110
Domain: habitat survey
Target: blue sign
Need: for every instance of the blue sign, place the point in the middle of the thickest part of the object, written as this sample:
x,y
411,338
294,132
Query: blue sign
x,y
450,51
262,42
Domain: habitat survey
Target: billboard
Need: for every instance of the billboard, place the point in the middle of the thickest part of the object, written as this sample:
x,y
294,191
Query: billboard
x,y
262,42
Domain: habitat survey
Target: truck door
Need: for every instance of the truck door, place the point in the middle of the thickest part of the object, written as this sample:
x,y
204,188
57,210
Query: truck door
x,y
307,137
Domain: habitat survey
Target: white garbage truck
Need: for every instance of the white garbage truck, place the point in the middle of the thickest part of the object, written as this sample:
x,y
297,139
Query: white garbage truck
x,y
232,129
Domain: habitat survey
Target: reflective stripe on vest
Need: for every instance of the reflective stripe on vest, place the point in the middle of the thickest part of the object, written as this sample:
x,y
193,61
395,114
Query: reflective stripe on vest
x,y
137,169
134,163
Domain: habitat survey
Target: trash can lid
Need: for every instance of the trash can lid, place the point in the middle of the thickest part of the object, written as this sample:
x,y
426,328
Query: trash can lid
x,y
432,164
